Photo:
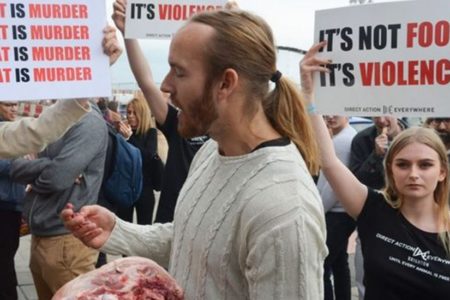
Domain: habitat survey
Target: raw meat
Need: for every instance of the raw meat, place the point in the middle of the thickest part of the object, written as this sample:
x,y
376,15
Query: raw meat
x,y
130,278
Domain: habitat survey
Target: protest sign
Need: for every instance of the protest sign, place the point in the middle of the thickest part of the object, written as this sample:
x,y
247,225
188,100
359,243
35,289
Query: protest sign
x,y
387,58
160,19
52,49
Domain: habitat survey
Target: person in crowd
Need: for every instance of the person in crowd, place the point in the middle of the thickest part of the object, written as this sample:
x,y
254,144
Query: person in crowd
x,y
368,150
71,169
339,224
180,150
30,135
369,147
140,132
11,201
404,228
442,128
249,222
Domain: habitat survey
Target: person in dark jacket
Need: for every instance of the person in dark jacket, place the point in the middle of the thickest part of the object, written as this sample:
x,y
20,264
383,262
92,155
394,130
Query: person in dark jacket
x,y
442,128
139,132
11,202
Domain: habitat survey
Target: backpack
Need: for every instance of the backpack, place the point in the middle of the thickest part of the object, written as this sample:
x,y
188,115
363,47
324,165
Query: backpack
x,y
122,180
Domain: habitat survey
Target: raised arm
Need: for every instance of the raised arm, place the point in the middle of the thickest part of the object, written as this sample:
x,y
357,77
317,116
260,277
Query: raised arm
x,y
31,135
348,189
140,68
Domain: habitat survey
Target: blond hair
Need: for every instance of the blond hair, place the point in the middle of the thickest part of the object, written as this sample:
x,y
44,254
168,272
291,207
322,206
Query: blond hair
x,y
244,42
143,114
429,138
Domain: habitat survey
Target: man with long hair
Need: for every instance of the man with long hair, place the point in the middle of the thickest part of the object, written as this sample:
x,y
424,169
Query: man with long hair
x,y
249,223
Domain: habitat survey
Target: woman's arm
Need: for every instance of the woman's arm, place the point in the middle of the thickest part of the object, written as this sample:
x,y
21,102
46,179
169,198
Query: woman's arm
x,y
141,69
348,189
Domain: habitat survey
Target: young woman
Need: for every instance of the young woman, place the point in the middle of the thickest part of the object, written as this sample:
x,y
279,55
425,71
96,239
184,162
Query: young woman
x,y
404,229
138,130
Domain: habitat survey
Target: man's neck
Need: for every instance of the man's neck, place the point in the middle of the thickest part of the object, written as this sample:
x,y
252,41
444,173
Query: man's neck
x,y
243,137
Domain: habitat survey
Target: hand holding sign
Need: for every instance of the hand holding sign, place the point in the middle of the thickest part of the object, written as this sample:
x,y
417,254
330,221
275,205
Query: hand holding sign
x,y
111,44
385,63
160,19
118,15
52,51
308,65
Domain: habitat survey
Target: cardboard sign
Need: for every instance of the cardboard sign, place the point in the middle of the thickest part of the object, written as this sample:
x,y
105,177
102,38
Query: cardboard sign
x,y
161,19
387,58
52,50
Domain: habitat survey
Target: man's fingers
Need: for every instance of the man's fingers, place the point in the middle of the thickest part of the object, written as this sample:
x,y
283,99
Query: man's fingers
x,y
111,46
92,234
109,29
74,221
88,211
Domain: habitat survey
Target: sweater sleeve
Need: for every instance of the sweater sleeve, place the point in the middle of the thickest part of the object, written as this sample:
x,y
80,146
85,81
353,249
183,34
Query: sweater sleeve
x,y
27,171
286,249
82,144
31,135
150,241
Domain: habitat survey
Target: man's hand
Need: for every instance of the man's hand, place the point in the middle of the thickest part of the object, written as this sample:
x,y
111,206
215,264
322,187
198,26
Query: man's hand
x,y
111,46
118,15
381,142
92,225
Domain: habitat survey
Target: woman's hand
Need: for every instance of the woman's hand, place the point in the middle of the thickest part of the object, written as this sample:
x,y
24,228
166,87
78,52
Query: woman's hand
x,y
308,65
118,15
124,129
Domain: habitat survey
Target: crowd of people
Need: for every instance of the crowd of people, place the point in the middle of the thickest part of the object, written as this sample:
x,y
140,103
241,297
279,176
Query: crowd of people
x,y
259,194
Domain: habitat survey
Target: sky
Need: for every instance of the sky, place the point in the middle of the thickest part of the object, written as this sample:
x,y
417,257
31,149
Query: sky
x,y
292,22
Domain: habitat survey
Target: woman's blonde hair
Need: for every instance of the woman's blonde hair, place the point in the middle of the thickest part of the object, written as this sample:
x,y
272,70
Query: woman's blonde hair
x,y
429,138
244,42
143,114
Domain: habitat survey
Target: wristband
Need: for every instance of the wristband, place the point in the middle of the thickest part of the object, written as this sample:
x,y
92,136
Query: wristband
x,y
311,108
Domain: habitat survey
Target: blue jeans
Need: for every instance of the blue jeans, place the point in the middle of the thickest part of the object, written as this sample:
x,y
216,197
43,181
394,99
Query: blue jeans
x,y
339,228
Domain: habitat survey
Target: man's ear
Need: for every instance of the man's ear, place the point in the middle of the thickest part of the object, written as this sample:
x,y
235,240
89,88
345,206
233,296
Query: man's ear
x,y
228,83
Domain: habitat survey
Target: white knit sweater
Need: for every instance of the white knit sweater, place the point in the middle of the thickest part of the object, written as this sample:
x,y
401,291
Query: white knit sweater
x,y
246,227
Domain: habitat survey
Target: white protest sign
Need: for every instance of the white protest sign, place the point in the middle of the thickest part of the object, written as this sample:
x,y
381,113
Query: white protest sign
x,y
52,49
387,58
160,19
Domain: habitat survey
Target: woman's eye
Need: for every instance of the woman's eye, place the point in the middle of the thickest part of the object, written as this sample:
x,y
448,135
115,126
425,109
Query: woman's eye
x,y
425,165
402,165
